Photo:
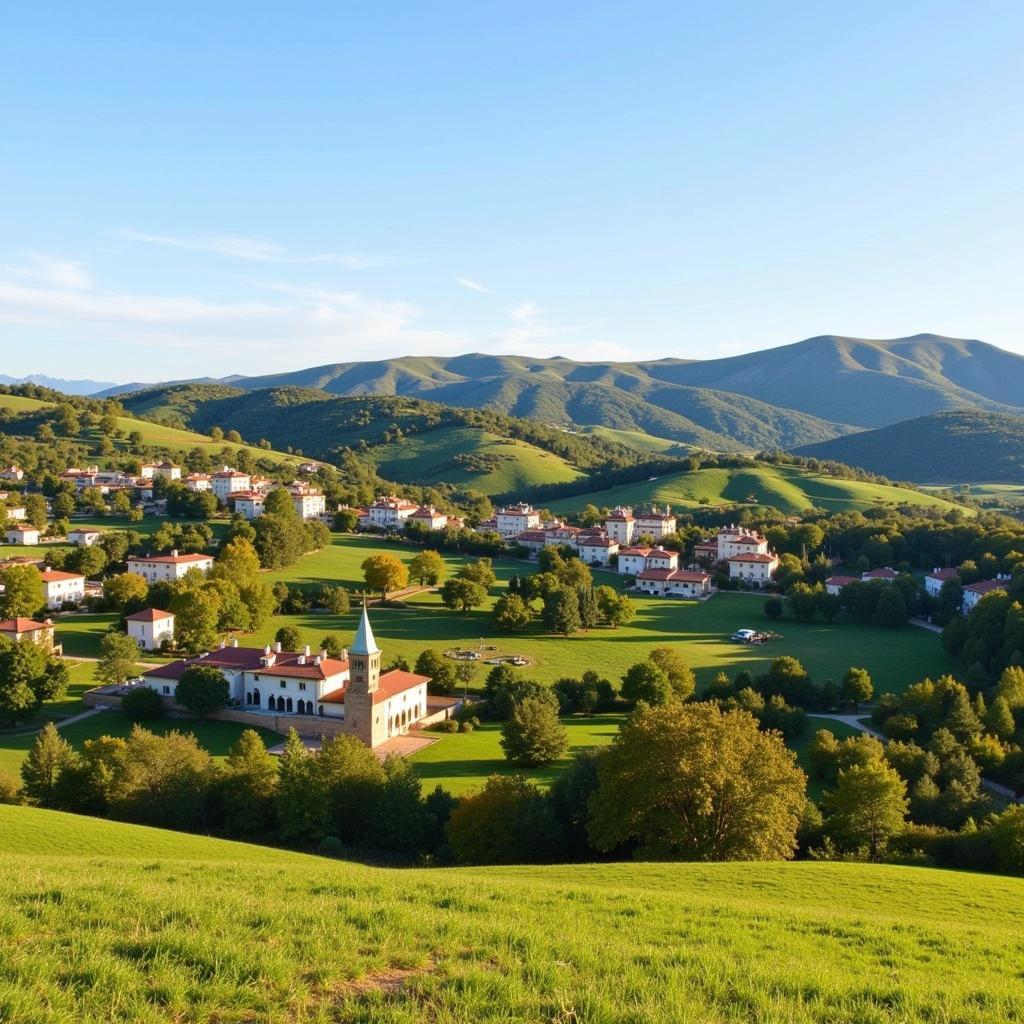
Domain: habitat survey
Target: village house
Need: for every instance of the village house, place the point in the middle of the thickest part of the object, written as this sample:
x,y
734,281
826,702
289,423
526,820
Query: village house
x,y
515,519
706,551
935,580
534,540
22,534
30,631
673,583
227,480
655,523
488,526
15,512
148,470
429,518
308,501
974,592
389,512
597,549
886,575
659,558
738,540
835,584
558,535
753,567
168,568
60,588
620,525
14,473
198,482
374,706
83,536
632,560
149,628
308,468
168,470
247,504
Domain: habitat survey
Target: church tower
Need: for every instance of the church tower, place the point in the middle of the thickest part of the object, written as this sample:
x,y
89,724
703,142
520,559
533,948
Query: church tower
x,y
361,716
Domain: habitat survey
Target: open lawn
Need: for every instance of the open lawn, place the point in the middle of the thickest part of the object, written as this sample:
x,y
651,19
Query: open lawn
x,y
216,737
110,922
463,762
895,658
786,488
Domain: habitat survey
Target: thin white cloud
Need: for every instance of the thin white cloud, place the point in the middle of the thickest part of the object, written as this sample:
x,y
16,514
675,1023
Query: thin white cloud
x,y
524,311
253,249
44,269
473,286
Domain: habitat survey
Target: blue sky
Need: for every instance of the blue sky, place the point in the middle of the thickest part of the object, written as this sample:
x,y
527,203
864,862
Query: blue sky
x,y
191,189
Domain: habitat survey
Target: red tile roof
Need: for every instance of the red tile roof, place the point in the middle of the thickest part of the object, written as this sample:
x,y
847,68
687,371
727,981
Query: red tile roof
x,y
880,574
755,557
149,615
987,586
634,551
942,574
55,576
841,581
250,659
680,575
171,559
22,625
391,684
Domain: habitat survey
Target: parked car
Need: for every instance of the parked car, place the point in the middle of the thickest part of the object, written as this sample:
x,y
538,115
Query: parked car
x,y
743,635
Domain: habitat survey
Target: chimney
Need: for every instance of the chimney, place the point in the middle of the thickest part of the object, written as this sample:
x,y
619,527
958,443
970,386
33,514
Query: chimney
x,y
234,641
223,644
317,659
277,647
266,650
305,650
344,654
302,659
174,553
323,654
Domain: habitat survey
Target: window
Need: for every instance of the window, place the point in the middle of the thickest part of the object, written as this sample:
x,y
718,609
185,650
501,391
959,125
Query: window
x,y
284,685
167,689
302,686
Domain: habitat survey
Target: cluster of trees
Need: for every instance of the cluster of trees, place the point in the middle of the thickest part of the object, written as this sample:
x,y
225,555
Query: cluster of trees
x,y
989,638
280,536
29,675
569,600
879,601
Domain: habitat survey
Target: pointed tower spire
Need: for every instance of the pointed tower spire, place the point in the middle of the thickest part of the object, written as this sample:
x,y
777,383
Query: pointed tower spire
x,y
364,642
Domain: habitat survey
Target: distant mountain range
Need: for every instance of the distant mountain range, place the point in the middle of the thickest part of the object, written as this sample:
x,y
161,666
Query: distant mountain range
x,y
944,448
814,393
69,387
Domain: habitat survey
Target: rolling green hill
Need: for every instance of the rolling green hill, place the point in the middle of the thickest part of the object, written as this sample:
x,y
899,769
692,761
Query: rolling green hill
x,y
409,440
103,921
787,488
159,437
960,447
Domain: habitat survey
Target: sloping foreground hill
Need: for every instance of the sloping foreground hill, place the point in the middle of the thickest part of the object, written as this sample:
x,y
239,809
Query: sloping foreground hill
x,y
105,922
787,488
947,448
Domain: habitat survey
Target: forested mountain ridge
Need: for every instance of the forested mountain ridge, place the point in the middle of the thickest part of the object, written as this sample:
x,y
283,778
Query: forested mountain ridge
x,y
946,448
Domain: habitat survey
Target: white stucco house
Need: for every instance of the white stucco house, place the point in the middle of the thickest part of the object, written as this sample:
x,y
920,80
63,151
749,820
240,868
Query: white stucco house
x,y
83,536
168,568
227,480
61,588
149,628
754,567
22,534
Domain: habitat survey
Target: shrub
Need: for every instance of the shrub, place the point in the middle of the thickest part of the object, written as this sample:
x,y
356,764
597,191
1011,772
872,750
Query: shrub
x,y
142,704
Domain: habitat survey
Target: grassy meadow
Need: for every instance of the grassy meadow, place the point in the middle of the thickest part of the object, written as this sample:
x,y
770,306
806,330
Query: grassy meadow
x,y
786,488
109,922
497,465
463,762
154,435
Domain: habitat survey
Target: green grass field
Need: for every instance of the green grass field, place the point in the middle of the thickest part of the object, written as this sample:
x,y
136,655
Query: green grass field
x,y
503,464
640,440
155,435
109,922
463,762
895,658
783,487
216,737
